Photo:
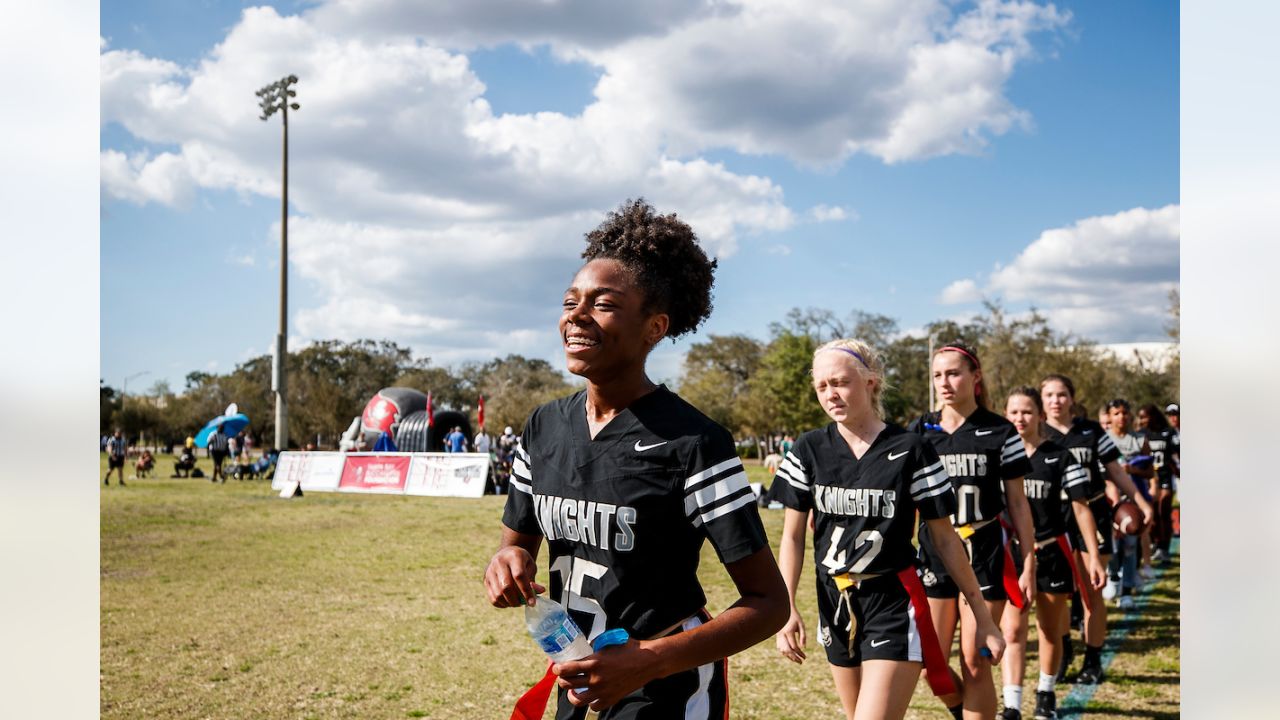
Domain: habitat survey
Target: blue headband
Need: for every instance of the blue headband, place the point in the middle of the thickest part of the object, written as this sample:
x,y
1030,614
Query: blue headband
x,y
853,353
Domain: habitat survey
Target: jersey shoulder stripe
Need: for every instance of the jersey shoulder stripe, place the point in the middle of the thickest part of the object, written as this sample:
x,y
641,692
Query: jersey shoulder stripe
x,y
1074,475
792,470
704,491
1106,444
931,483
1013,449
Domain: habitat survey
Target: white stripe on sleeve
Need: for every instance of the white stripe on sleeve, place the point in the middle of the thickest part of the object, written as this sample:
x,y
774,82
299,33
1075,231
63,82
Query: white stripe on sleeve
x,y
1075,475
1013,449
713,470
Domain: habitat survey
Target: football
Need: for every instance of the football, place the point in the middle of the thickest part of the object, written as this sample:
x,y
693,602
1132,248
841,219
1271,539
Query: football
x,y
1128,518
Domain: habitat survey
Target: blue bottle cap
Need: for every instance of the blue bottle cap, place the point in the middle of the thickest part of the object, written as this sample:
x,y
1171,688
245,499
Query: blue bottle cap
x,y
608,638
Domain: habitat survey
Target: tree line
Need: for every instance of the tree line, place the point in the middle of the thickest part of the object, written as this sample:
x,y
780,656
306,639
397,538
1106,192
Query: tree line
x,y
756,388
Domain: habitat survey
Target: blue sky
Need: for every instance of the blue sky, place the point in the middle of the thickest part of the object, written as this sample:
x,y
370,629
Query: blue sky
x,y
447,159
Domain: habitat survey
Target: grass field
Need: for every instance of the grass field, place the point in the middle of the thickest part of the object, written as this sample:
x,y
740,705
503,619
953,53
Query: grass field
x,y
228,602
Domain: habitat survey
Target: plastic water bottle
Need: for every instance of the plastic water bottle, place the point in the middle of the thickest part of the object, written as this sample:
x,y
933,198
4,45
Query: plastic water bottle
x,y
555,632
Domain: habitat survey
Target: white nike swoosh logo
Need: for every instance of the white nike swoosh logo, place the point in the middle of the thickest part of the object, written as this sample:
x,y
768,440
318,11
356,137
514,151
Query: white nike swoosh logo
x,y
878,643
980,433
895,457
1050,461
985,587
1086,432
1060,583
642,448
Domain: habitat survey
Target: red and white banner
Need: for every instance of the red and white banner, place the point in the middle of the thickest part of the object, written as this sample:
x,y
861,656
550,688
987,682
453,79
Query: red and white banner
x,y
427,474
375,472
448,474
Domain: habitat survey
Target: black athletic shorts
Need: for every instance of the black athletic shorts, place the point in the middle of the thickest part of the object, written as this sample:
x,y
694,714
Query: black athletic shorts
x,y
1102,516
885,622
1166,483
986,555
114,462
701,692
219,457
1053,569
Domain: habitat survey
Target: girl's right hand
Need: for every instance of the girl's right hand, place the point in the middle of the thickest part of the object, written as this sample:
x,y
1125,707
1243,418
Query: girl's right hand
x,y
992,639
509,578
791,639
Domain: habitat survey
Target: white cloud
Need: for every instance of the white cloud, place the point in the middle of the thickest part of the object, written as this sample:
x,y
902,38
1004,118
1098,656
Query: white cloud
x,y
828,213
141,179
403,179
960,292
1106,278
246,260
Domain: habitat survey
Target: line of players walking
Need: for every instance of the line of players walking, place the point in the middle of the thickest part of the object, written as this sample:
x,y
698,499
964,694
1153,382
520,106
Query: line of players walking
x,y
1026,520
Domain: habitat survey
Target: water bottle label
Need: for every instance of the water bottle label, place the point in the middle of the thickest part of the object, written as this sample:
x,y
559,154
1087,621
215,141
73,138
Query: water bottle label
x,y
558,639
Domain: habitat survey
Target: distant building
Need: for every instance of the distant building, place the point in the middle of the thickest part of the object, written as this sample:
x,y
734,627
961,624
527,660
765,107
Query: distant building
x,y
1153,355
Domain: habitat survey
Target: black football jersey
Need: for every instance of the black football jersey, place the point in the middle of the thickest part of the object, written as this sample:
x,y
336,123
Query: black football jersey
x,y
1162,451
1055,479
979,456
1092,447
864,510
625,514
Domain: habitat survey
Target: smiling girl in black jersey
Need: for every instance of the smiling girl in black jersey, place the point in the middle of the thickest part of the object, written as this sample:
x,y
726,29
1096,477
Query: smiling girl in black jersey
x,y
625,481
985,458
1055,476
1093,449
864,480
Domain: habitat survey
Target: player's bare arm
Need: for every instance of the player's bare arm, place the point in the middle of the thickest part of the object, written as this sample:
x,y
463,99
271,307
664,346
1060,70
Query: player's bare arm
x,y
614,672
951,551
1020,512
791,638
1089,532
509,578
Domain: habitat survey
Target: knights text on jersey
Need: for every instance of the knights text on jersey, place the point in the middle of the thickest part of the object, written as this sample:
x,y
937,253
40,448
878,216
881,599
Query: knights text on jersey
x,y
979,456
1092,448
1055,476
625,514
864,509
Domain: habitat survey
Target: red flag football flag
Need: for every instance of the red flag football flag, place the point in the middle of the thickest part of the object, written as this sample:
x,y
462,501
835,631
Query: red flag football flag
x,y
480,414
431,415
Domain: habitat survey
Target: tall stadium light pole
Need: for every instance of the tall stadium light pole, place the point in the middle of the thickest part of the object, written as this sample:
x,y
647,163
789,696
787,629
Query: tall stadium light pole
x,y
275,97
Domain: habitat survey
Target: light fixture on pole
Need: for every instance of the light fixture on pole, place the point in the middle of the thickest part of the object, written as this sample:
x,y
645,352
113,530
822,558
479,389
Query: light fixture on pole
x,y
276,96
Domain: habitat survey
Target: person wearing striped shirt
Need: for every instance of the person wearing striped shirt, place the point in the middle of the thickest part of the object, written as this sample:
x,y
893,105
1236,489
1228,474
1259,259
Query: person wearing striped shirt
x,y
624,482
218,443
1055,476
986,461
864,481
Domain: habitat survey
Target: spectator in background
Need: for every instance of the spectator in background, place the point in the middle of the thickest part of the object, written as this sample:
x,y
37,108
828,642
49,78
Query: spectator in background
x,y
185,463
506,444
233,448
145,464
482,442
455,441
218,444
116,448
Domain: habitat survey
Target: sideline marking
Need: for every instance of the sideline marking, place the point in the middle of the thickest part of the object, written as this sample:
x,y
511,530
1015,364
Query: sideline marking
x,y
1077,700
